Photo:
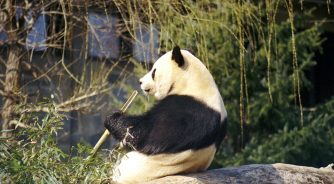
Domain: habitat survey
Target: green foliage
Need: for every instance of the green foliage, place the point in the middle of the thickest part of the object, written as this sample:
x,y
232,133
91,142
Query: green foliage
x,y
271,115
34,157
312,144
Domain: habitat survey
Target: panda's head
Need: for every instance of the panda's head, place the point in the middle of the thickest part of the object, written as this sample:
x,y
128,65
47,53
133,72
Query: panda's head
x,y
165,74
179,72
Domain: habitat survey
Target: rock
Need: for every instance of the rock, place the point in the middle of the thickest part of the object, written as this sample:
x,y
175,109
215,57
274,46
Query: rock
x,y
256,173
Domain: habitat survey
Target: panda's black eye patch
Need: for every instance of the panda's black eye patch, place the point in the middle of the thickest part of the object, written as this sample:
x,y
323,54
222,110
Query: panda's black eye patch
x,y
153,73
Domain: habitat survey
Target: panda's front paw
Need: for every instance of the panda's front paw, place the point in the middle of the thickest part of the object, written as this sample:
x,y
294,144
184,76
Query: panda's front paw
x,y
111,120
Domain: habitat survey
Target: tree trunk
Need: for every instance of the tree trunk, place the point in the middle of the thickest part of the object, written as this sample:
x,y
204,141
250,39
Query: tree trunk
x,y
11,89
12,76
257,173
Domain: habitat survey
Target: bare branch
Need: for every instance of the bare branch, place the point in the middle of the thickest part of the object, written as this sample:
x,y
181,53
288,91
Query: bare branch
x,y
22,125
71,104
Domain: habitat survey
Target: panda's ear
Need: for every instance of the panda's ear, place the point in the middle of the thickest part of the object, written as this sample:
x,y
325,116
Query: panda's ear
x,y
177,56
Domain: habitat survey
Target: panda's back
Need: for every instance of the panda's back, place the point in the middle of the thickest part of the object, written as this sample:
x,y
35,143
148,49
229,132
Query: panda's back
x,y
178,123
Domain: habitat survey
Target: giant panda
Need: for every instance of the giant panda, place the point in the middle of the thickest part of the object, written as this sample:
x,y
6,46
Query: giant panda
x,y
181,132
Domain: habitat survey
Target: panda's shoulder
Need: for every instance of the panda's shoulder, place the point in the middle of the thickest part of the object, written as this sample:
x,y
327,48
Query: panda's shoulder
x,y
179,100
180,103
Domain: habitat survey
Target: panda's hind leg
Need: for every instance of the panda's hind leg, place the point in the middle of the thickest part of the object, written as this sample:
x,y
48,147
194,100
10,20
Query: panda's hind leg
x,y
135,168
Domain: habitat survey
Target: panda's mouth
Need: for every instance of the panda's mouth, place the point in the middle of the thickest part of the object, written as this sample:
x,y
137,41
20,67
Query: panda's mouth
x,y
147,90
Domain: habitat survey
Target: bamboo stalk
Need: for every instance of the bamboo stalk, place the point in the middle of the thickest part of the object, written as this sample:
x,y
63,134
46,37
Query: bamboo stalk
x,y
106,132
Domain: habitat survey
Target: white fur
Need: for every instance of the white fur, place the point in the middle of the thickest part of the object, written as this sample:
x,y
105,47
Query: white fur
x,y
193,80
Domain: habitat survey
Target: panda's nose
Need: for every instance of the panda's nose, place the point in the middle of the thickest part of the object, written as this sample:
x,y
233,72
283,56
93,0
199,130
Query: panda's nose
x,y
140,82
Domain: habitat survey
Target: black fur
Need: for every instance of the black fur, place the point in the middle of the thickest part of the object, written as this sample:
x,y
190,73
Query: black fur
x,y
171,88
177,56
153,73
174,124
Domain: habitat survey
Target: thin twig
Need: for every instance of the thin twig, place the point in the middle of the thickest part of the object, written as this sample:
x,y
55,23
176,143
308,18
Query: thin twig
x,y
66,106
22,125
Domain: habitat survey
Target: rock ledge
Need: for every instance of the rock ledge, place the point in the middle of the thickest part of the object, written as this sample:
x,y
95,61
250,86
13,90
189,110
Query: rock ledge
x,y
256,173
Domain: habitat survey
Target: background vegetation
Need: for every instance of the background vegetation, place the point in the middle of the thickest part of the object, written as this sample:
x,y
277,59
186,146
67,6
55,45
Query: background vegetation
x,y
259,53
